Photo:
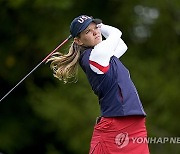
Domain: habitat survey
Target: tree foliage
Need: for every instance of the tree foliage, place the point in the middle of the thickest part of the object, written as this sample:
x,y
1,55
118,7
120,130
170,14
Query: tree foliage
x,y
43,115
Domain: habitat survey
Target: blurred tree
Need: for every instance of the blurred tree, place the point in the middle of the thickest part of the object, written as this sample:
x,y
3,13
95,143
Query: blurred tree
x,y
45,116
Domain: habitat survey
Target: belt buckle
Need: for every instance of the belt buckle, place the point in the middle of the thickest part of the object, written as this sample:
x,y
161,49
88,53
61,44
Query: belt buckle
x,y
98,119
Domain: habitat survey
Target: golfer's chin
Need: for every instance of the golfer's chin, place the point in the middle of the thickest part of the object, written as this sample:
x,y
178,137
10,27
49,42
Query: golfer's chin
x,y
97,40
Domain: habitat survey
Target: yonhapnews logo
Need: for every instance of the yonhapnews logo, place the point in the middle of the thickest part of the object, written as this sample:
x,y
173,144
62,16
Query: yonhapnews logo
x,y
122,139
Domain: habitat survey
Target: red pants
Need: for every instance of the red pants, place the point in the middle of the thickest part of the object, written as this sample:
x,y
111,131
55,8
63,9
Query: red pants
x,y
120,135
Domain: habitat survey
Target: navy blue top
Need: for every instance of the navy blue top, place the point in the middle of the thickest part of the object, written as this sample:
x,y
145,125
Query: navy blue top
x,y
115,90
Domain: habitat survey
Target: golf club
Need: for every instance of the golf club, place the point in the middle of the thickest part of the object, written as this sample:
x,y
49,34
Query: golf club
x,y
44,60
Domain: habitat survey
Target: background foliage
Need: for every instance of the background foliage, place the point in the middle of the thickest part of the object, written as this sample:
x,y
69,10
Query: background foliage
x,y
45,116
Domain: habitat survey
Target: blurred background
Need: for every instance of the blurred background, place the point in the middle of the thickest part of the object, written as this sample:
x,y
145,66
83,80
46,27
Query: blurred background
x,y
45,116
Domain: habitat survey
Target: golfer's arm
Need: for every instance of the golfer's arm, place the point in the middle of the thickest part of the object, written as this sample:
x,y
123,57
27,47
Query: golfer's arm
x,y
102,52
121,47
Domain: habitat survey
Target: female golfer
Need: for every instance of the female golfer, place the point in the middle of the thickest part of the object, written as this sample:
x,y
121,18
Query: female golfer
x,y
122,121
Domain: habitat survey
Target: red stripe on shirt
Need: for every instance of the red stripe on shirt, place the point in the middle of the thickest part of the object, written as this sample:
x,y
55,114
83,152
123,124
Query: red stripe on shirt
x,y
100,67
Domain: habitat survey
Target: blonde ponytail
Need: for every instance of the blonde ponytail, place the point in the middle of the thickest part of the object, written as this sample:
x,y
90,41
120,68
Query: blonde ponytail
x,y
65,67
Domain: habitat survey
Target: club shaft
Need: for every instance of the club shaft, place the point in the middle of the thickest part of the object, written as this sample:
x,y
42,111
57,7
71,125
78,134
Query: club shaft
x,y
44,60
21,81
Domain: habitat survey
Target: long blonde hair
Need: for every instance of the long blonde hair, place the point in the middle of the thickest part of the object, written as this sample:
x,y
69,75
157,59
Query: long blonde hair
x,y
65,66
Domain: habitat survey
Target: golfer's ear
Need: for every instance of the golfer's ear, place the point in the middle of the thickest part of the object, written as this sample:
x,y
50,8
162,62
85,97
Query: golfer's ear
x,y
78,41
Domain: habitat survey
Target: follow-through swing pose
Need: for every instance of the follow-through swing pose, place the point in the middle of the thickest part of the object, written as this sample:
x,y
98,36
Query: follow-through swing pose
x,y
122,115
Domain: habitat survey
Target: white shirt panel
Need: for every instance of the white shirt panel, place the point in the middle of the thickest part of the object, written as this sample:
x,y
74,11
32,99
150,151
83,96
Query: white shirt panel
x,y
112,45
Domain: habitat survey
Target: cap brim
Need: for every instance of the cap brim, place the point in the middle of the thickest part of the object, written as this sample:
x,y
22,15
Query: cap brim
x,y
97,21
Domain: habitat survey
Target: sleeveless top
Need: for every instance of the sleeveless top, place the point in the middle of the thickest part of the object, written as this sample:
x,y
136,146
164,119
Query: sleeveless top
x,y
115,90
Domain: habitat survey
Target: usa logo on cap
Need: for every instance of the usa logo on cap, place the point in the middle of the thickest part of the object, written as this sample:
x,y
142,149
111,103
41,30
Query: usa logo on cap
x,y
83,18
81,23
